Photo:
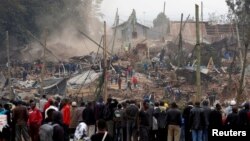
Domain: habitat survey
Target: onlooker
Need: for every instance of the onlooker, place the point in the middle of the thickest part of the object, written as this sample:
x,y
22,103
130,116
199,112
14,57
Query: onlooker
x,y
174,123
143,122
232,119
186,116
197,122
207,111
79,111
243,117
20,118
58,130
5,134
42,102
73,118
66,118
102,134
34,122
88,117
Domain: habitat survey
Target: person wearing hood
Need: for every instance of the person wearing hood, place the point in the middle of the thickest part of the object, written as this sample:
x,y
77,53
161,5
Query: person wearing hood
x,y
57,122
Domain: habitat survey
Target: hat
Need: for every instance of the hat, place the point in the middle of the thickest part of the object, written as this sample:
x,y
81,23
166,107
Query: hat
x,y
233,102
74,104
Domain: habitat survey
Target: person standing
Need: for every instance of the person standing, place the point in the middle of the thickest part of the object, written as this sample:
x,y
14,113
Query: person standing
x,y
20,118
102,134
73,118
42,103
88,117
174,123
66,118
143,122
197,122
186,115
58,129
206,109
34,122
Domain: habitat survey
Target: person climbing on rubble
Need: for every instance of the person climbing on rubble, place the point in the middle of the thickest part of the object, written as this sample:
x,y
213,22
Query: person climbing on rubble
x,y
119,82
129,85
134,81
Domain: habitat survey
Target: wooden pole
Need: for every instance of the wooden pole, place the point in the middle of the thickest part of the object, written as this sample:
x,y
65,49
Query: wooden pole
x,y
201,21
105,63
164,8
12,96
198,55
116,23
180,43
44,64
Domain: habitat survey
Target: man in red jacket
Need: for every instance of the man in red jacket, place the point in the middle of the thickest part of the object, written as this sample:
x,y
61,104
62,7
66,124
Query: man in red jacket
x,y
66,117
34,122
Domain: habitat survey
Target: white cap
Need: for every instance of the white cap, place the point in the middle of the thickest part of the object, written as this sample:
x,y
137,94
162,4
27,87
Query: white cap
x,y
74,104
232,102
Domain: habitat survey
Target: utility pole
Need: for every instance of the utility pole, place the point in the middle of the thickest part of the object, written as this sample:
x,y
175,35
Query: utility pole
x,y
116,24
164,7
12,96
180,43
105,63
44,64
198,55
201,21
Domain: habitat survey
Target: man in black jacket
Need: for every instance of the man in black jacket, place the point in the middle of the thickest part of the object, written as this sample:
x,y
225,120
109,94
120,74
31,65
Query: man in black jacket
x,y
88,117
186,115
197,122
174,123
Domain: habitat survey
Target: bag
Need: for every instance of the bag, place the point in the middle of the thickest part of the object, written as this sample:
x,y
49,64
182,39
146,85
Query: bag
x,y
105,135
46,132
107,112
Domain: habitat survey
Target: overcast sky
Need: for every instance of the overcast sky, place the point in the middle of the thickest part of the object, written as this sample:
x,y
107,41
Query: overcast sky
x,y
147,10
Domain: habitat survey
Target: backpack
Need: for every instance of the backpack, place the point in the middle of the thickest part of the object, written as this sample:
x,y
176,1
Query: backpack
x,y
46,132
107,112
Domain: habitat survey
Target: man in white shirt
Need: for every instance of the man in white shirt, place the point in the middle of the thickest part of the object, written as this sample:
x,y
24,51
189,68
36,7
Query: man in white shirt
x,y
42,102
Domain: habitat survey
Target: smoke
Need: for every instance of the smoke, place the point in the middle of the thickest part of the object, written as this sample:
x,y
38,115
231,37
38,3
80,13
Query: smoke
x,y
63,24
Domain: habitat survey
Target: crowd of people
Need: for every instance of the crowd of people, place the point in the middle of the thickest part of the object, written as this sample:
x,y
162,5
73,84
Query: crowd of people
x,y
54,119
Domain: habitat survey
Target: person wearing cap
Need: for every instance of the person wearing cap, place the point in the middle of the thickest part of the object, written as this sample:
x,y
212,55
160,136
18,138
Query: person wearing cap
x,y
229,110
73,116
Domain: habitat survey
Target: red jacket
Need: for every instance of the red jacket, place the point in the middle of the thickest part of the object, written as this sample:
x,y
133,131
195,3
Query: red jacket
x,y
47,104
35,117
66,114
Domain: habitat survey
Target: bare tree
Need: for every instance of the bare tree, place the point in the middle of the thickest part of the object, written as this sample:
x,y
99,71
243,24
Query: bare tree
x,y
241,10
